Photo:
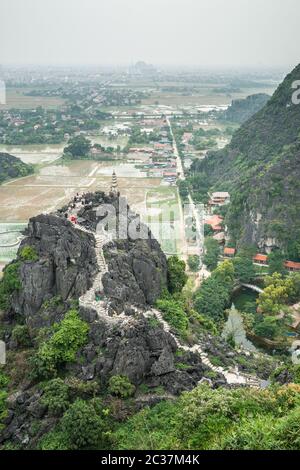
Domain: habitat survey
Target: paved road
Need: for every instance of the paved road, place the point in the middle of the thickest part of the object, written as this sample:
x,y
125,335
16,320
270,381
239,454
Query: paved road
x,y
180,169
203,272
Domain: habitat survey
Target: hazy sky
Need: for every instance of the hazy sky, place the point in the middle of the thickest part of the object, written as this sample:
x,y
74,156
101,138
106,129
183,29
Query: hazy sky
x,y
193,32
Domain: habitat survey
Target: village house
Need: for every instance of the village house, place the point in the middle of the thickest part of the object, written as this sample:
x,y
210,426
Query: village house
x,y
260,259
215,222
219,199
229,252
292,266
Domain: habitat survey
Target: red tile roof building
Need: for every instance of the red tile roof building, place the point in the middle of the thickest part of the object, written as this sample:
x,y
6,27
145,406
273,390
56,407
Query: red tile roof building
x,y
215,222
229,251
292,266
260,259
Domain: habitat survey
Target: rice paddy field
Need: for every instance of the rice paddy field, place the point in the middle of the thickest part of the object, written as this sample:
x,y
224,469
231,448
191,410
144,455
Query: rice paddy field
x,y
10,237
163,216
15,98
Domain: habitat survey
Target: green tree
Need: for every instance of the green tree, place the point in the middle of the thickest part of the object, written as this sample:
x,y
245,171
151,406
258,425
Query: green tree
x,y
208,230
183,188
79,146
244,270
82,425
177,277
213,297
20,334
275,262
121,386
9,283
212,252
267,328
68,337
275,295
194,262
56,396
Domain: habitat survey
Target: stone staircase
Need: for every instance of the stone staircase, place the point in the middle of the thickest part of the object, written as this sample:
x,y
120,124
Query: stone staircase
x,y
232,377
88,299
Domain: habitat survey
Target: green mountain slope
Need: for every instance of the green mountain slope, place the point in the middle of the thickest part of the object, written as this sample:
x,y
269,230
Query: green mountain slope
x,y
241,110
261,169
12,167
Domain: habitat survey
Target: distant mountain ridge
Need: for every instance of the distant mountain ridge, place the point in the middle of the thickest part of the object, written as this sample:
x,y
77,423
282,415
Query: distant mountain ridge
x,y
12,167
261,169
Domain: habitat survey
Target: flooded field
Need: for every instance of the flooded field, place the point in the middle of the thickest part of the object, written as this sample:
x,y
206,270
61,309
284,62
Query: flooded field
x,y
105,141
10,237
54,185
15,98
126,170
35,154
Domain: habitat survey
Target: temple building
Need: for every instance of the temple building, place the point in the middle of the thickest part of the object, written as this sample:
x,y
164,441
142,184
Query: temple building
x,y
114,189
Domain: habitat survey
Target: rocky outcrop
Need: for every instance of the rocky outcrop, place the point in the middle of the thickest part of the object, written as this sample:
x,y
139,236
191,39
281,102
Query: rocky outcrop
x,y
137,267
65,265
137,272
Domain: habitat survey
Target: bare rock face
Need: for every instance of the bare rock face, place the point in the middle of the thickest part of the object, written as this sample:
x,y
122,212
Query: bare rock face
x,y
140,351
65,267
137,272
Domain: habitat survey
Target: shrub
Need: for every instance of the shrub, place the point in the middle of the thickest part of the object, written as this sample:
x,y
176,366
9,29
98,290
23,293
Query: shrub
x,y
194,262
153,322
212,252
28,253
20,334
82,426
241,418
267,328
3,398
56,396
53,440
68,337
120,386
78,388
3,380
174,314
176,274
9,283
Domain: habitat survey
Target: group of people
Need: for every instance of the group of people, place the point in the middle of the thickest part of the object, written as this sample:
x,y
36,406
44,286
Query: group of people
x,y
77,200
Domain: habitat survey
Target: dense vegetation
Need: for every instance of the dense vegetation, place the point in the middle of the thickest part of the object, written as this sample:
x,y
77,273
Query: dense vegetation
x,y
61,347
78,147
241,110
260,168
213,297
9,283
218,419
13,167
